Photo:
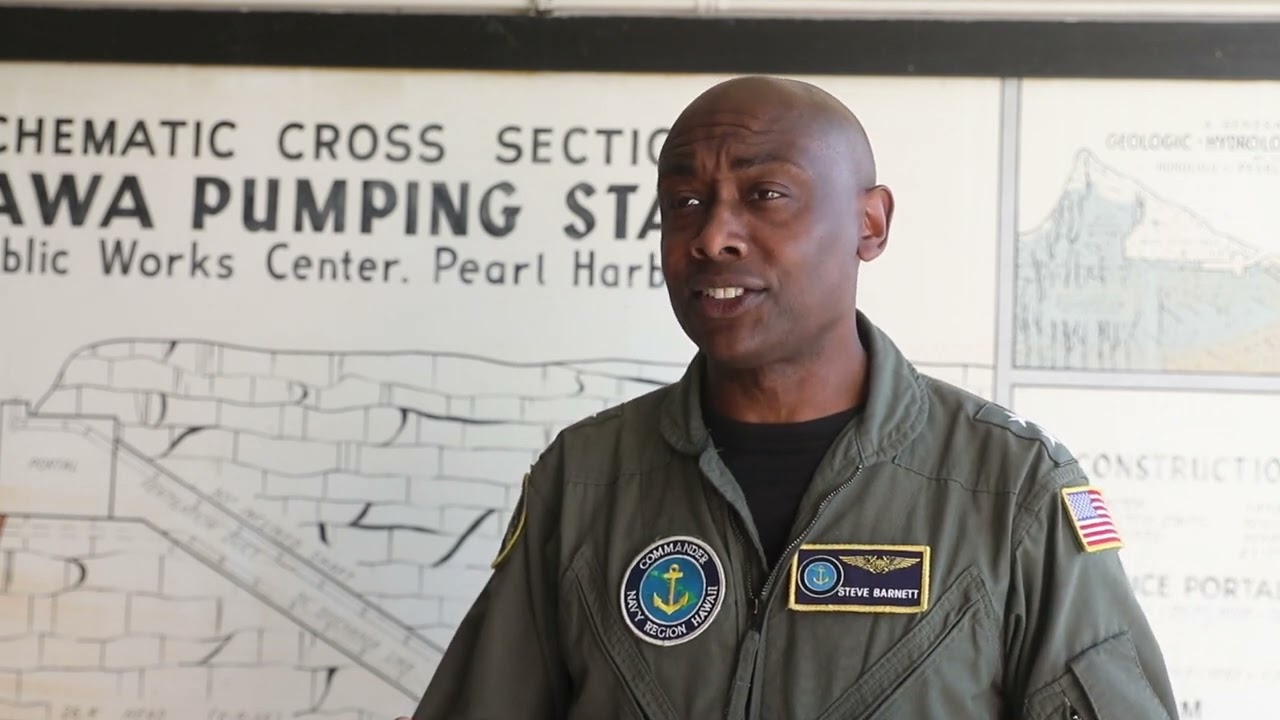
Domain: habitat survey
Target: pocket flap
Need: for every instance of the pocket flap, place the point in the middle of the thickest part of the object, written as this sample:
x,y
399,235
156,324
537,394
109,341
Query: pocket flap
x,y
966,601
1112,679
632,671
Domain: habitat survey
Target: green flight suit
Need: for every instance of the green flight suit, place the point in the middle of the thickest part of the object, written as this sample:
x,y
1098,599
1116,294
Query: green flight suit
x,y
995,609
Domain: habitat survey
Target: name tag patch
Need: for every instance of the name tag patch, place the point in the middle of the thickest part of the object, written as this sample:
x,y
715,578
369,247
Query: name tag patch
x,y
860,578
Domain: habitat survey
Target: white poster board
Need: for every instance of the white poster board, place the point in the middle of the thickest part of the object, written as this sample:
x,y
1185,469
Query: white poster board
x,y
279,344
1146,330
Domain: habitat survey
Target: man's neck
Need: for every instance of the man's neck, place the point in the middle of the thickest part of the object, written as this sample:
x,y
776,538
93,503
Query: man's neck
x,y
828,381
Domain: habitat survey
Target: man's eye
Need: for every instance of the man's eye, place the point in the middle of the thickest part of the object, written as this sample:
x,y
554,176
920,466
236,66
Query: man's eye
x,y
684,201
766,194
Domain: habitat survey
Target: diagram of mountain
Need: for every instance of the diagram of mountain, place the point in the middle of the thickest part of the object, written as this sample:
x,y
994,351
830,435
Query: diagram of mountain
x,y
1119,279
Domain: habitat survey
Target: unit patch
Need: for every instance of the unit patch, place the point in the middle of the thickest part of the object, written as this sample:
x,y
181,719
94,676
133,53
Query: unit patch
x,y
514,528
860,578
1091,518
672,590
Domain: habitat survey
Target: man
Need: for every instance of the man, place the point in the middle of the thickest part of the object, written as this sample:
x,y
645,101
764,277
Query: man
x,y
803,526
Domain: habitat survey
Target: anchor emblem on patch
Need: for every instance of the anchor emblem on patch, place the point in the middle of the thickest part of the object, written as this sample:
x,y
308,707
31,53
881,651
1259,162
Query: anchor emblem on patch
x,y
672,590
671,605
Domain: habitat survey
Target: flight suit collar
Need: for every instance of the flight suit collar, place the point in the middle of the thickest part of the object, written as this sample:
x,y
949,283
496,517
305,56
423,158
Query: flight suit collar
x,y
895,409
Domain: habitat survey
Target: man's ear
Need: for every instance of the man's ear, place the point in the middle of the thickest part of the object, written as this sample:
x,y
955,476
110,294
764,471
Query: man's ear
x,y
877,215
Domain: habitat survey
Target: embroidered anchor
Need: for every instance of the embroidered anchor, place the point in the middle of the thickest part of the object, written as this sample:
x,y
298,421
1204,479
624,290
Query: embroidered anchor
x,y
820,575
670,607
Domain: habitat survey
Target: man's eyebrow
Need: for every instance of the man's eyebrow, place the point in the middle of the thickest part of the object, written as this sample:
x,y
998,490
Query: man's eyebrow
x,y
675,168
684,168
747,162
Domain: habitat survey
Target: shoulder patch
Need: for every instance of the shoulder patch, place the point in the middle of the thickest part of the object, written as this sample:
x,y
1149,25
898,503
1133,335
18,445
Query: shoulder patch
x,y
993,414
1091,518
514,528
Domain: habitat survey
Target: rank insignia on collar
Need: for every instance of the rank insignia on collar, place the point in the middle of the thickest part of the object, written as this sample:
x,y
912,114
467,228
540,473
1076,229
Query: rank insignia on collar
x,y
860,578
672,590
993,414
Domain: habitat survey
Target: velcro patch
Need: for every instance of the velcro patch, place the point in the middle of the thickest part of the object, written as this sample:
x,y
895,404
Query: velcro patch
x,y
1091,518
672,590
860,578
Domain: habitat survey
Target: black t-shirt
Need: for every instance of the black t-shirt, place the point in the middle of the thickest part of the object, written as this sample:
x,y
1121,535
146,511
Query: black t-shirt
x,y
774,463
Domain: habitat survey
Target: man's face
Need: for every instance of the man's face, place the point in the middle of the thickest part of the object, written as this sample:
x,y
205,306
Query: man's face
x,y
760,231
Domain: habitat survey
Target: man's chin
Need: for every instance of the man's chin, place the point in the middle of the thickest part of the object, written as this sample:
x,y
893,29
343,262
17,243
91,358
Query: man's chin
x,y
733,355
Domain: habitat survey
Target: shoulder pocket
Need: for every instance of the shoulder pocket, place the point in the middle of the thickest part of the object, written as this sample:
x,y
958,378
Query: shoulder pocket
x,y
1105,682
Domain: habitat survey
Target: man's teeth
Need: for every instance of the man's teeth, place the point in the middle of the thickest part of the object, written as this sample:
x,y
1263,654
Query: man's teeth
x,y
724,293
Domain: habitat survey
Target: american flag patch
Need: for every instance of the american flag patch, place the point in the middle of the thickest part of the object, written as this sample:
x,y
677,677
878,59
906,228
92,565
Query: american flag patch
x,y
1091,518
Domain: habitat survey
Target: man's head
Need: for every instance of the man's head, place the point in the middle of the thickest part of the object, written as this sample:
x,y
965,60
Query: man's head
x,y
769,203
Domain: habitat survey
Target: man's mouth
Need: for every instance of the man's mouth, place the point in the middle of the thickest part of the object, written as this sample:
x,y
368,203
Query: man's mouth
x,y
724,293
725,302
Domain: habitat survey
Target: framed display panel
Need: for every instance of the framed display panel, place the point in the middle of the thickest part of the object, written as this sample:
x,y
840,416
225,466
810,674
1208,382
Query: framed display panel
x,y
292,301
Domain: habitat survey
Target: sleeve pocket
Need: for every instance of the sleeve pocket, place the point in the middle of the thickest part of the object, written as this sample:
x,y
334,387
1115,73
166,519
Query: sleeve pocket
x,y
1105,682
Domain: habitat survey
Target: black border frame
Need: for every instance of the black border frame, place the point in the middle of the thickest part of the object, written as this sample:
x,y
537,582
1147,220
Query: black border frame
x,y
1095,49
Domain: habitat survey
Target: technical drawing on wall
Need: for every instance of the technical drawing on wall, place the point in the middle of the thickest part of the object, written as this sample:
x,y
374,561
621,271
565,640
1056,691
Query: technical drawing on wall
x,y
185,520
1117,278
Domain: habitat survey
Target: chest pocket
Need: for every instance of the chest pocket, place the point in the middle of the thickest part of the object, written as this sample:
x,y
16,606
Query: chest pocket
x,y
610,669
956,637
1105,682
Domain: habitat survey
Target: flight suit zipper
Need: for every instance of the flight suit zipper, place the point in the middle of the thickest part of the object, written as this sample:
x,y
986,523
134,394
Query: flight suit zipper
x,y
758,602
747,552
783,558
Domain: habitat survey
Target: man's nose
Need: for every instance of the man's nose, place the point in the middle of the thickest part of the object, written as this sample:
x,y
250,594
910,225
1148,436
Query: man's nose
x,y
723,237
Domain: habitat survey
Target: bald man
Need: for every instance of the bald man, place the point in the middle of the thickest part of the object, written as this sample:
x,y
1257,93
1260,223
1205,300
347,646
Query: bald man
x,y
804,526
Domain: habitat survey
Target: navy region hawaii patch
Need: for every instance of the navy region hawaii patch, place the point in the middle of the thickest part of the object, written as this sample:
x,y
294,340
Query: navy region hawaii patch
x,y
860,578
672,590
